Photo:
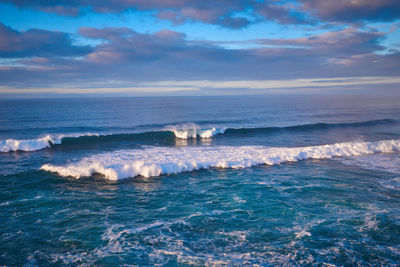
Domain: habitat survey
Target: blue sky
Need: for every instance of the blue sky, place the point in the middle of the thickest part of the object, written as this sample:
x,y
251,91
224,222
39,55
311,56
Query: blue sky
x,y
190,47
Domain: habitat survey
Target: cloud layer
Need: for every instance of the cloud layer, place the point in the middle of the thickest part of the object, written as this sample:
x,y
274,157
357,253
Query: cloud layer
x,y
339,44
124,56
231,13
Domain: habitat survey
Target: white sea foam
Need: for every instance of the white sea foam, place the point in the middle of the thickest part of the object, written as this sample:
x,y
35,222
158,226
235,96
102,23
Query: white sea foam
x,y
10,145
379,162
28,144
191,130
391,183
154,161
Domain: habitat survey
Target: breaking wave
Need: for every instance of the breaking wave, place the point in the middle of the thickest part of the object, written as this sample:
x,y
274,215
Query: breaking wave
x,y
191,130
155,161
47,141
168,135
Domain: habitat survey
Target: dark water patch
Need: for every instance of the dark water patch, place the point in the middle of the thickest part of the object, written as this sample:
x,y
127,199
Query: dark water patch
x,y
309,127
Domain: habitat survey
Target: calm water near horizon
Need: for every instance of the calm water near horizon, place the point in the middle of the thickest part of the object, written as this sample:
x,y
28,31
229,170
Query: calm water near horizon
x,y
268,180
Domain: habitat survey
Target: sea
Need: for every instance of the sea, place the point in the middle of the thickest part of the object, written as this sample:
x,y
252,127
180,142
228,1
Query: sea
x,y
260,180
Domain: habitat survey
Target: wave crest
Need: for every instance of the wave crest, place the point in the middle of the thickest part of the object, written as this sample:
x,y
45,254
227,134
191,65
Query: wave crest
x,y
28,144
169,133
155,161
191,130
40,143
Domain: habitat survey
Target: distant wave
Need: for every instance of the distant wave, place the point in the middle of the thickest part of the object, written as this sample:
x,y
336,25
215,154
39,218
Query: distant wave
x,y
155,161
310,127
168,134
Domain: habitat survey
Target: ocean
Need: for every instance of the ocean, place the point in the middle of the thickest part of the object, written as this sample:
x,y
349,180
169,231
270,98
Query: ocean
x,y
204,181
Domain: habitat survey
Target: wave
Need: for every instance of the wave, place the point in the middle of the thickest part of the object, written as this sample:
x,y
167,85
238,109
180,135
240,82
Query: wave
x,y
310,127
155,161
47,141
167,135
27,145
53,141
192,130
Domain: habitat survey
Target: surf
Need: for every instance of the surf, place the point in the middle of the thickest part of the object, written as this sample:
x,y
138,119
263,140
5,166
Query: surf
x,y
156,161
168,134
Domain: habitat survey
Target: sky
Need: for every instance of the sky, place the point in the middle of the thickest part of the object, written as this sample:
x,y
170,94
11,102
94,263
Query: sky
x,y
199,47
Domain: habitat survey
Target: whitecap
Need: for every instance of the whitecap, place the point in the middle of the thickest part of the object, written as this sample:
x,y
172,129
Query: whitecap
x,y
192,130
155,161
46,141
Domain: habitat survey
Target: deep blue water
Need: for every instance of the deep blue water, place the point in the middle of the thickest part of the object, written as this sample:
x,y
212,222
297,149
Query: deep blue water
x,y
337,204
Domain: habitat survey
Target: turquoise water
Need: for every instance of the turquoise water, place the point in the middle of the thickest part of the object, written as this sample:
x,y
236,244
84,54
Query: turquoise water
x,y
304,206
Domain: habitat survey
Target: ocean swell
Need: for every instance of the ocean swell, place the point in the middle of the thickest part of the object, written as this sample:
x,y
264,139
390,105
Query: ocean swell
x,y
309,127
155,161
168,134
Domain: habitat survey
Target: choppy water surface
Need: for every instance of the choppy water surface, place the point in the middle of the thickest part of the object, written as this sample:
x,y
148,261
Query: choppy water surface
x,y
202,181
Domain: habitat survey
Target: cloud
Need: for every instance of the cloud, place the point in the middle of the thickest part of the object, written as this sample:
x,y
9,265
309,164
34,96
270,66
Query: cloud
x,y
286,13
353,10
36,42
106,33
212,16
349,41
128,59
231,13
221,87
125,45
178,11
274,84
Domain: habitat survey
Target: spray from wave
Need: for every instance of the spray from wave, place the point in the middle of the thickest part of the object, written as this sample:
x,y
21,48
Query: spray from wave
x,y
191,130
47,141
155,161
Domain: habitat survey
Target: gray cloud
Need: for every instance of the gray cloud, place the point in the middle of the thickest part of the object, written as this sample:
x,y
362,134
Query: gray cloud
x,y
347,42
36,42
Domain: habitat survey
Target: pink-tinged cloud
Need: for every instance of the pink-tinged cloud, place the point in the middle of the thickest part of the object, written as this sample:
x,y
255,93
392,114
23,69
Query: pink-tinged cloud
x,y
353,10
126,56
177,11
282,13
224,12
